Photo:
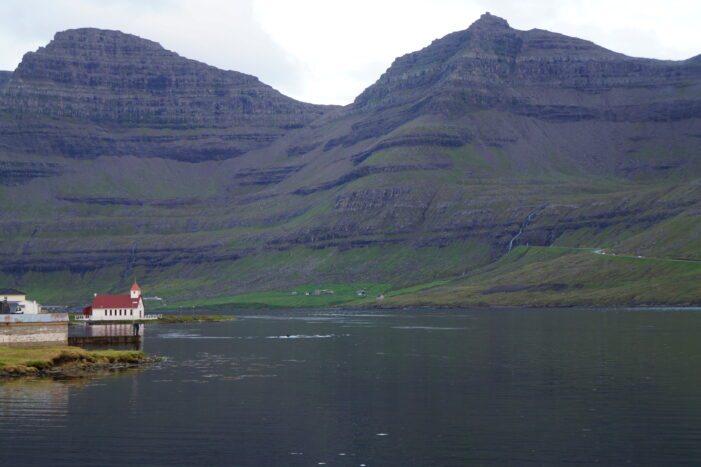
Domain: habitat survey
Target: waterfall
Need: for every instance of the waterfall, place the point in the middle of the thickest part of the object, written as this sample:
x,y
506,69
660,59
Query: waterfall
x,y
524,224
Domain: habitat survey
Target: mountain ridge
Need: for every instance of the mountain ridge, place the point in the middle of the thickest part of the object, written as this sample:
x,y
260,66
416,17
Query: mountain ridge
x,y
136,89
96,58
487,139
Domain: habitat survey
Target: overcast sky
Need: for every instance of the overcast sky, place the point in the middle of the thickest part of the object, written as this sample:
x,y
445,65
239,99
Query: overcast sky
x,y
328,51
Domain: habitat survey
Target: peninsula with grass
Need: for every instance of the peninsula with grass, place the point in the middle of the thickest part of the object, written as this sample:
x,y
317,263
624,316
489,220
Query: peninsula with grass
x,y
65,360
33,341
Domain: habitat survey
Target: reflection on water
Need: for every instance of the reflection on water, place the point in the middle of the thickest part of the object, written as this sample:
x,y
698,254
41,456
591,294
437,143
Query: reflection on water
x,y
497,387
107,330
113,330
112,335
28,404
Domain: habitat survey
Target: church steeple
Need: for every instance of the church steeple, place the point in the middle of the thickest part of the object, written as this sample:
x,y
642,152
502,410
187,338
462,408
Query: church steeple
x,y
135,290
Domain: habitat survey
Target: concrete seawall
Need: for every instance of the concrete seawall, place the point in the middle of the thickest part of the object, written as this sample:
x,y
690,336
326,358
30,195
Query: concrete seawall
x,y
33,330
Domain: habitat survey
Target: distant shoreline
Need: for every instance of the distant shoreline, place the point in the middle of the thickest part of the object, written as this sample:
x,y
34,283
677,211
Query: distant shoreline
x,y
172,319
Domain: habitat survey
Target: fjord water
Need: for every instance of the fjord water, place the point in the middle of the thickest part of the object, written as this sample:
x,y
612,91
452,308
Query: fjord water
x,y
399,388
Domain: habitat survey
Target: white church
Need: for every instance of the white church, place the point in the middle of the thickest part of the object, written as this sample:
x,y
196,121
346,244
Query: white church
x,y
117,307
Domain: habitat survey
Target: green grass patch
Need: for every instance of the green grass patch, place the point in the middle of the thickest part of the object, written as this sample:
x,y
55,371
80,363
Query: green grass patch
x,y
15,360
418,288
309,296
118,356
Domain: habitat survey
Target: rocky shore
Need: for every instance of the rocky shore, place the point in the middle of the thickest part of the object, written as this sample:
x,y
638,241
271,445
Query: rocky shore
x,y
59,360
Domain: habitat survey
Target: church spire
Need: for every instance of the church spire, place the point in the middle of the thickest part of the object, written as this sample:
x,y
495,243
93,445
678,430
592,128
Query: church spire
x,y
135,290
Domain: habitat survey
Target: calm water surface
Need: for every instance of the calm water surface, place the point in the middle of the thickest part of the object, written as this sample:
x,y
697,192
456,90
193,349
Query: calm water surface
x,y
403,388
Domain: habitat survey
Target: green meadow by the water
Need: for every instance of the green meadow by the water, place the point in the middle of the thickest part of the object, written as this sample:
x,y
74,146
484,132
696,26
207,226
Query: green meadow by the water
x,y
542,276
527,276
460,276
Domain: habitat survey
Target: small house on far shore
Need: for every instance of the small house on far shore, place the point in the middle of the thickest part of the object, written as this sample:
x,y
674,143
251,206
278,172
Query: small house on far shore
x,y
13,301
24,324
117,307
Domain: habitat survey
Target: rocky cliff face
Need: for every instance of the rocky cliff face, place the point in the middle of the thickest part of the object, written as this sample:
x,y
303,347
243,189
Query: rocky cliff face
x,y
536,74
141,91
496,135
117,156
490,65
4,78
108,76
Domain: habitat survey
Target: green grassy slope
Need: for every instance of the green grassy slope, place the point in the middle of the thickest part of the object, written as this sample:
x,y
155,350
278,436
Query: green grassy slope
x,y
554,276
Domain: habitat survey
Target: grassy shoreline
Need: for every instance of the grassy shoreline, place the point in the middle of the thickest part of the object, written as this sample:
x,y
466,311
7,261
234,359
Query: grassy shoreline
x,y
528,276
53,360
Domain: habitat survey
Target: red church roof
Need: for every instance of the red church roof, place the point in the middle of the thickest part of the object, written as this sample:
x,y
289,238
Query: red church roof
x,y
114,301
136,287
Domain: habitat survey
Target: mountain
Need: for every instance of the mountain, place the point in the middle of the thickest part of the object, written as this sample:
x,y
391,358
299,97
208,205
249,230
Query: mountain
x,y
132,97
120,159
540,82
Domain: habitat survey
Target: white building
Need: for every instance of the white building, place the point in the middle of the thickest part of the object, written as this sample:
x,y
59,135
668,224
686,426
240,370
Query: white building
x,y
117,307
15,301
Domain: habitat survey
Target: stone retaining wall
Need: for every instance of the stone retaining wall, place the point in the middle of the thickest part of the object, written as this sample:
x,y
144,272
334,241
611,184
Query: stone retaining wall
x,y
31,331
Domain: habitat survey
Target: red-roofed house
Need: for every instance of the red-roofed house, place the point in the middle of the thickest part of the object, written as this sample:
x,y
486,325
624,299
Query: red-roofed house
x,y
117,307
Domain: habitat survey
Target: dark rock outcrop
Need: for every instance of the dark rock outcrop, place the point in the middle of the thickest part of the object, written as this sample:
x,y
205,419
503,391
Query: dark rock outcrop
x,y
268,176
370,170
19,173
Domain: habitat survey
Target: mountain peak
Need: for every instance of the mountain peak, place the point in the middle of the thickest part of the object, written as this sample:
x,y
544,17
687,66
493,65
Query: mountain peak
x,y
488,20
101,43
111,76
95,34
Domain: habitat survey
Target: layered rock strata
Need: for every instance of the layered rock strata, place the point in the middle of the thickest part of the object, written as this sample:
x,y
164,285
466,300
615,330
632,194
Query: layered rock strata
x,y
138,98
